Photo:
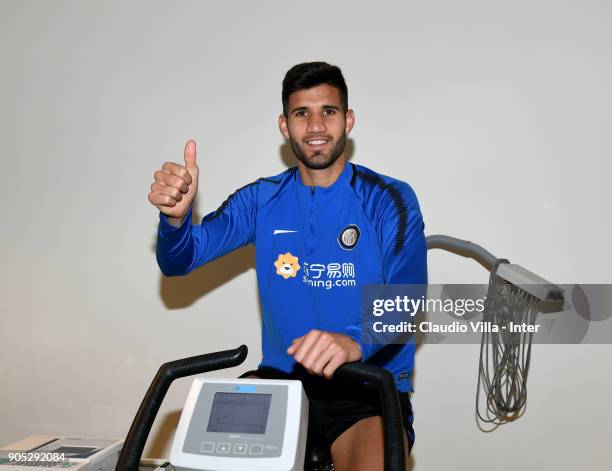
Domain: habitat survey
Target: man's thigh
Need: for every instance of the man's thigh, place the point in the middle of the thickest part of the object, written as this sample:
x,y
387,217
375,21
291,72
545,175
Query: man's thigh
x,y
361,447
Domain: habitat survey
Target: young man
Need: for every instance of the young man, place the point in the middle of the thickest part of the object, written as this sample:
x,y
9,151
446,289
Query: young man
x,y
321,230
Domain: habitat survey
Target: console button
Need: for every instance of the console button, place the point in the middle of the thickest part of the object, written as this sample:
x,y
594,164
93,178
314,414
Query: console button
x,y
223,447
207,447
256,449
240,448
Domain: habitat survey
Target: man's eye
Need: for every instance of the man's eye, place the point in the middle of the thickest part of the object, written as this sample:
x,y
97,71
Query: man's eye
x,y
300,113
330,112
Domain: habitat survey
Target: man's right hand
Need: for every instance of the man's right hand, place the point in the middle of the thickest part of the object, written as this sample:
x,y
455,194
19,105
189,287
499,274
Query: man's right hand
x,y
175,186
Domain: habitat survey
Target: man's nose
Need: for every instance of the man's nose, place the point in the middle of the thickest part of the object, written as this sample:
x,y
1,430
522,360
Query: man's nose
x,y
316,124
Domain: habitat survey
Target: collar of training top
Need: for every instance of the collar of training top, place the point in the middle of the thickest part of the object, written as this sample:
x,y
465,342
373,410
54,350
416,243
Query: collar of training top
x,y
342,181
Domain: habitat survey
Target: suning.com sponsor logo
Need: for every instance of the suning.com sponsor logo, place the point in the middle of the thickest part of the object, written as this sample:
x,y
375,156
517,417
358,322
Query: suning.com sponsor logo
x,y
328,276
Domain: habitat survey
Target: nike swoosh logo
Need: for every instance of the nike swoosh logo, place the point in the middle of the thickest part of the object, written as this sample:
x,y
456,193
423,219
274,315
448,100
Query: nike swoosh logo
x,y
281,231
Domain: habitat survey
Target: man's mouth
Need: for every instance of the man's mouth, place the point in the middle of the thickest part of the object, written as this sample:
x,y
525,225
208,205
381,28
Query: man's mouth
x,y
318,142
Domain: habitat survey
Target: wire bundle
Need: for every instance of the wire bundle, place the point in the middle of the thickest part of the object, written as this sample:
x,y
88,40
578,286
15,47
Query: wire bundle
x,y
505,354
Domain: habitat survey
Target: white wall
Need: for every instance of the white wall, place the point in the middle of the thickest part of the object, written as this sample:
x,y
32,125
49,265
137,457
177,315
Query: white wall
x,y
497,113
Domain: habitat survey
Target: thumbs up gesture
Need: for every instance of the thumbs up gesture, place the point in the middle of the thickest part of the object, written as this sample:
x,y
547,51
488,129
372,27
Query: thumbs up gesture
x,y
175,186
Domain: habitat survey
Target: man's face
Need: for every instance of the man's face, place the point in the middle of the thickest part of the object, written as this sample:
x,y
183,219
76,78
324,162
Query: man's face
x,y
316,126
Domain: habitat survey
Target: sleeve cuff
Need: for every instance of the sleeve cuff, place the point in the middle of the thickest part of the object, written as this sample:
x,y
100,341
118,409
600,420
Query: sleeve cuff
x,y
168,231
355,333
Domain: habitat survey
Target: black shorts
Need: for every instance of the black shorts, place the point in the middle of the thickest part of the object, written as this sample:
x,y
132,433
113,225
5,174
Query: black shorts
x,y
336,404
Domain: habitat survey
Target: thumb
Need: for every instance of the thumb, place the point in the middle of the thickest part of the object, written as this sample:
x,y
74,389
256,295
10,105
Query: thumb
x,y
190,154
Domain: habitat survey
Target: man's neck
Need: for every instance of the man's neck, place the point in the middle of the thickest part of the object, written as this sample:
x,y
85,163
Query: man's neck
x,y
324,177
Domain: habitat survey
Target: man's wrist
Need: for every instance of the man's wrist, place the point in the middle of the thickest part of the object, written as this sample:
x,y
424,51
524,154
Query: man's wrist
x,y
351,333
357,354
360,350
176,222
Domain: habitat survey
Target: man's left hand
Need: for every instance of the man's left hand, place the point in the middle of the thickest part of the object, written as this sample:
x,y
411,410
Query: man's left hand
x,y
321,352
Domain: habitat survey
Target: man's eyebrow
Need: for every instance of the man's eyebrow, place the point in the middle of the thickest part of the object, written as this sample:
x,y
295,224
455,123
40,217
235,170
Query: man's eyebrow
x,y
305,108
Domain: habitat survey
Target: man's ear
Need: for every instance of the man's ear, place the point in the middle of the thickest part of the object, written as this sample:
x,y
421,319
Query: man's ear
x,y
282,126
350,120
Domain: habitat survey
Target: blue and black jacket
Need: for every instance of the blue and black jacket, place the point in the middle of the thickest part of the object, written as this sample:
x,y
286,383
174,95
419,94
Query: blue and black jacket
x,y
315,248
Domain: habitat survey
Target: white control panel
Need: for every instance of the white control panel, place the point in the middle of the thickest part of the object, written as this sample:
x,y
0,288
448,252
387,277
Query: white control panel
x,y
242,424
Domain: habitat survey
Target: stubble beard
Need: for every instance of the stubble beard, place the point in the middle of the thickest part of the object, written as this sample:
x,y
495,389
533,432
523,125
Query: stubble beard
x,y
318,160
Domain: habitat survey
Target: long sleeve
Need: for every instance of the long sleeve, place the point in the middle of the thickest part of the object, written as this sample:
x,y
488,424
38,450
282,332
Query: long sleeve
x,y
404,251
182,250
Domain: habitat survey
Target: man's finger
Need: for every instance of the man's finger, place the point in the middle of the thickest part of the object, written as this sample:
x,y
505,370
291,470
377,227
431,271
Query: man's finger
x,y
178,170
162,200
306,345
295,343
322,360
164,177
318,350
161,189
332,366
190,154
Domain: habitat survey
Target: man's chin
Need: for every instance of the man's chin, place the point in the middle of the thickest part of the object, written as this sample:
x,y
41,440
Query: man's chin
x,y
317,162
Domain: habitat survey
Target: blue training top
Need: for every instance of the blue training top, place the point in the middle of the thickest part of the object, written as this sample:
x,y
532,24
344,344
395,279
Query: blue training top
x,y
315,248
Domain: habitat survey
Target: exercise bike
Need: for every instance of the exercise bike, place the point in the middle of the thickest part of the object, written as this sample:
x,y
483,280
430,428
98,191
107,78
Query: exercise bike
x,y
238,410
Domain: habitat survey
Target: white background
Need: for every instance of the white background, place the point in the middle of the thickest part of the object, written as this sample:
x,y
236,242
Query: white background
x,y
497,113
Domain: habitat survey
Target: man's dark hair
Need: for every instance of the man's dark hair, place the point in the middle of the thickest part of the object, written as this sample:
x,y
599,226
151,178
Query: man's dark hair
x,y
310,74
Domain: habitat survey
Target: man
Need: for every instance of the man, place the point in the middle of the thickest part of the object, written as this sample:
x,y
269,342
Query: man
x,y
321,230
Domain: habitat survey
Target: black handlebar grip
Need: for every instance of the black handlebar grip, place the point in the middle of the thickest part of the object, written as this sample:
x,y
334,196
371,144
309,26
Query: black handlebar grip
x,y
167,373
392,416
